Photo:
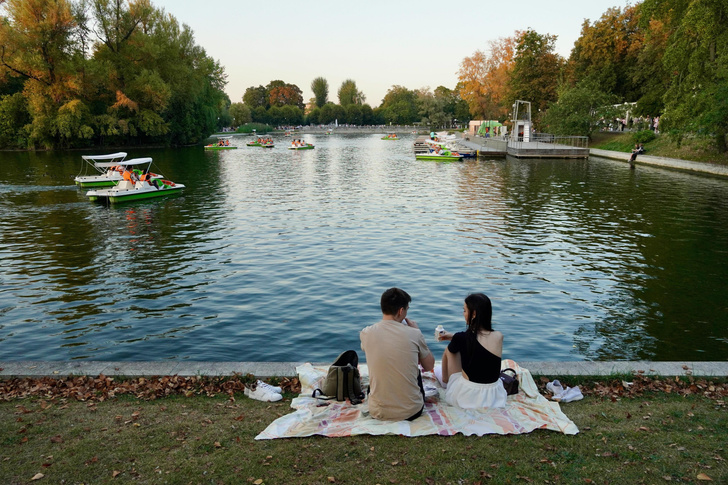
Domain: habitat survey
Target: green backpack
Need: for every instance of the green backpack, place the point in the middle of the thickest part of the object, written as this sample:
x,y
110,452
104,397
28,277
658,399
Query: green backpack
x,y
343,380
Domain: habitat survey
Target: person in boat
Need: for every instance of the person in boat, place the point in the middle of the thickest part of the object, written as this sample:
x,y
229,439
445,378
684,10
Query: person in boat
x,y
395,348
130,175
471,363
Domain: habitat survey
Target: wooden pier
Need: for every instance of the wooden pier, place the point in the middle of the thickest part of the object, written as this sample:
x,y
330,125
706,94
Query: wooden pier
x,y
546,146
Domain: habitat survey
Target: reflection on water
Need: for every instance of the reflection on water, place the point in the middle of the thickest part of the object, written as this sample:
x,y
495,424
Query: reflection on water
x,y
282,255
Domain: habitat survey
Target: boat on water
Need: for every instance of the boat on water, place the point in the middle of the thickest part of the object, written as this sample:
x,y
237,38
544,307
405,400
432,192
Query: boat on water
x,y
223,143
300,145
134,186
436,157
439,151
109,169
390,136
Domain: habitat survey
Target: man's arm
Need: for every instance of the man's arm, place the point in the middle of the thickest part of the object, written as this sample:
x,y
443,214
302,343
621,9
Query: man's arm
x,y
428,363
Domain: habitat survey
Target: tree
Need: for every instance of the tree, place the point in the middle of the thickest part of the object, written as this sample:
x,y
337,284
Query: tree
x,y
282,94
484,79
354,114
579,110
607,52
399,106
143,80
432,109
320,88
536,69
240,114
349,94
697,59
255,97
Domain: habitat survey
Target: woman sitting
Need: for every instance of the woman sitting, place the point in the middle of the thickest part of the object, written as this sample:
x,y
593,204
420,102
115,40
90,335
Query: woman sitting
x,y
472,361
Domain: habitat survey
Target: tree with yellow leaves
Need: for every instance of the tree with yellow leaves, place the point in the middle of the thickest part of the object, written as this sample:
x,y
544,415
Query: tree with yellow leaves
x,y
484,79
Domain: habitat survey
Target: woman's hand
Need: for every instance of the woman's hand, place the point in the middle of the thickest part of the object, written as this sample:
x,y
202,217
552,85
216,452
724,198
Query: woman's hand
x,y
445,336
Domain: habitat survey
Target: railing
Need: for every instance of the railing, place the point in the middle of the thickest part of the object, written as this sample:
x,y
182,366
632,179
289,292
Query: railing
x,y
546,140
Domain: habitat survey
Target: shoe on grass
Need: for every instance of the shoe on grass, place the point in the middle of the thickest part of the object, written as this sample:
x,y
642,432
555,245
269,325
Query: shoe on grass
x,y
268,387
572,394
555,388
261,394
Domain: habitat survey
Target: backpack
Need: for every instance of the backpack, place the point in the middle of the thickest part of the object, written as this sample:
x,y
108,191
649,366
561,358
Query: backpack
x,y
343,380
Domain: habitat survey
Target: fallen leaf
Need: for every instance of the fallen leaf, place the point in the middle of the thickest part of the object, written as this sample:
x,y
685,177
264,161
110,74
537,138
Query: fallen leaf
x,y
37,476
115,473
704,477
331,479
258,481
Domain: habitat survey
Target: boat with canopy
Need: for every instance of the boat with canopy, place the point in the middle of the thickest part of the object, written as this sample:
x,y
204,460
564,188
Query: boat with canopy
x,y
134,186
108,168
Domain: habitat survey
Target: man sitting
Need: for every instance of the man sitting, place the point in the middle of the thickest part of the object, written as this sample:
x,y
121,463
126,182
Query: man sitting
x,y
394,347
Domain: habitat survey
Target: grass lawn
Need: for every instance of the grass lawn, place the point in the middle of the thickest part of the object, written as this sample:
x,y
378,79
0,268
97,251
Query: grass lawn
x,y
697,148
654,436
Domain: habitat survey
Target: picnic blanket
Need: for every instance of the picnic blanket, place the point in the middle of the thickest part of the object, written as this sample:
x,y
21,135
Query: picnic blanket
x,y
524,412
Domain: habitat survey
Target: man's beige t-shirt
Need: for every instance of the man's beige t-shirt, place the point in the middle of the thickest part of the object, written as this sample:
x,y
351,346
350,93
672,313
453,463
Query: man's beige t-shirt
x,y
393,351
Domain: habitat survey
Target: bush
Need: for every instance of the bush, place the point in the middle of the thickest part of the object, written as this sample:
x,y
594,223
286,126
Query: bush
x,y
644,136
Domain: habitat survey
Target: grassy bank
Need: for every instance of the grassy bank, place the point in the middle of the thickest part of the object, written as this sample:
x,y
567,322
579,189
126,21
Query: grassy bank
x,y
653,431
697,148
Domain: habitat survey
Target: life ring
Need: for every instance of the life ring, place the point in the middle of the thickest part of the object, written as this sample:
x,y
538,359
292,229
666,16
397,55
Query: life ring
x,y
168,182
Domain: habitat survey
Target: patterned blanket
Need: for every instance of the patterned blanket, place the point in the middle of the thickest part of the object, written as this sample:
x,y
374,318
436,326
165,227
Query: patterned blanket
x,y
524,412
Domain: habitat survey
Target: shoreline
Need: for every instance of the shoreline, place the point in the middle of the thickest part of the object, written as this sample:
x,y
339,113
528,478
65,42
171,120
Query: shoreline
x,y
58,369
663,162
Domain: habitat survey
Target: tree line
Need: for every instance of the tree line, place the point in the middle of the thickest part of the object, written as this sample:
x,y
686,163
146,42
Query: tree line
x,y
103,72
667,58
281,103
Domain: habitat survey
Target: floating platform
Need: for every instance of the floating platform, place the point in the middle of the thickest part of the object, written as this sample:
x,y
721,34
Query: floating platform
x,y
543,146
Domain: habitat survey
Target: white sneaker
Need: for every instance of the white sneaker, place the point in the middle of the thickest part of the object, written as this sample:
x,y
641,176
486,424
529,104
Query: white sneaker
x,y
555,388
262,394
572,394
268,387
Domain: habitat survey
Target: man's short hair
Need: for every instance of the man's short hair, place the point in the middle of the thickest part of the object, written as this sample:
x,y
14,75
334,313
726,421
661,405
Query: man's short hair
x,y
393,299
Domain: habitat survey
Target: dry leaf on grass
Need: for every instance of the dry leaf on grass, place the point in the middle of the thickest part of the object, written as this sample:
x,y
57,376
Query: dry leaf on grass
x,y
37,476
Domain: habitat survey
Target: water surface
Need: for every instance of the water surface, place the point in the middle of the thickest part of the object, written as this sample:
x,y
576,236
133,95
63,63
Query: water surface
x,y
280,255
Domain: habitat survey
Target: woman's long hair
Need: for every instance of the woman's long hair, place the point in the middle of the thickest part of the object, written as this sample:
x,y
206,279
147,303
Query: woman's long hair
x,y
479,304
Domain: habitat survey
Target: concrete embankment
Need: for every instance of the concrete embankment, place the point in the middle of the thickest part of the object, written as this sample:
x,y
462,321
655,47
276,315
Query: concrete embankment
x,y
664,162
288,369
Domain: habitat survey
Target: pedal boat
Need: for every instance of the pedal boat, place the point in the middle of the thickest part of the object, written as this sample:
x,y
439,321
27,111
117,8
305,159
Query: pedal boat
x,y
128,190
307,146
108,167
390,136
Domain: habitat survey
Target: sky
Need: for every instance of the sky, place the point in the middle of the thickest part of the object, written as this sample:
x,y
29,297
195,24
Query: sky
x,y
378,44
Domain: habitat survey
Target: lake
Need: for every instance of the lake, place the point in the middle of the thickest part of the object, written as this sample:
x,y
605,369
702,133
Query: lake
x,y
281,255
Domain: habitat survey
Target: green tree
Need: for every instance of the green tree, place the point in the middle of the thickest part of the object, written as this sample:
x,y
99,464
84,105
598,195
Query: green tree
x,y
349,94
697,58
354,115
367,115
314,116
580,109
536,70
240,114
399,106
14,117
320,88
255,97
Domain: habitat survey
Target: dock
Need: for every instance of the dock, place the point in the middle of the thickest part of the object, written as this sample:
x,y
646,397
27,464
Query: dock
x,y
540,146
